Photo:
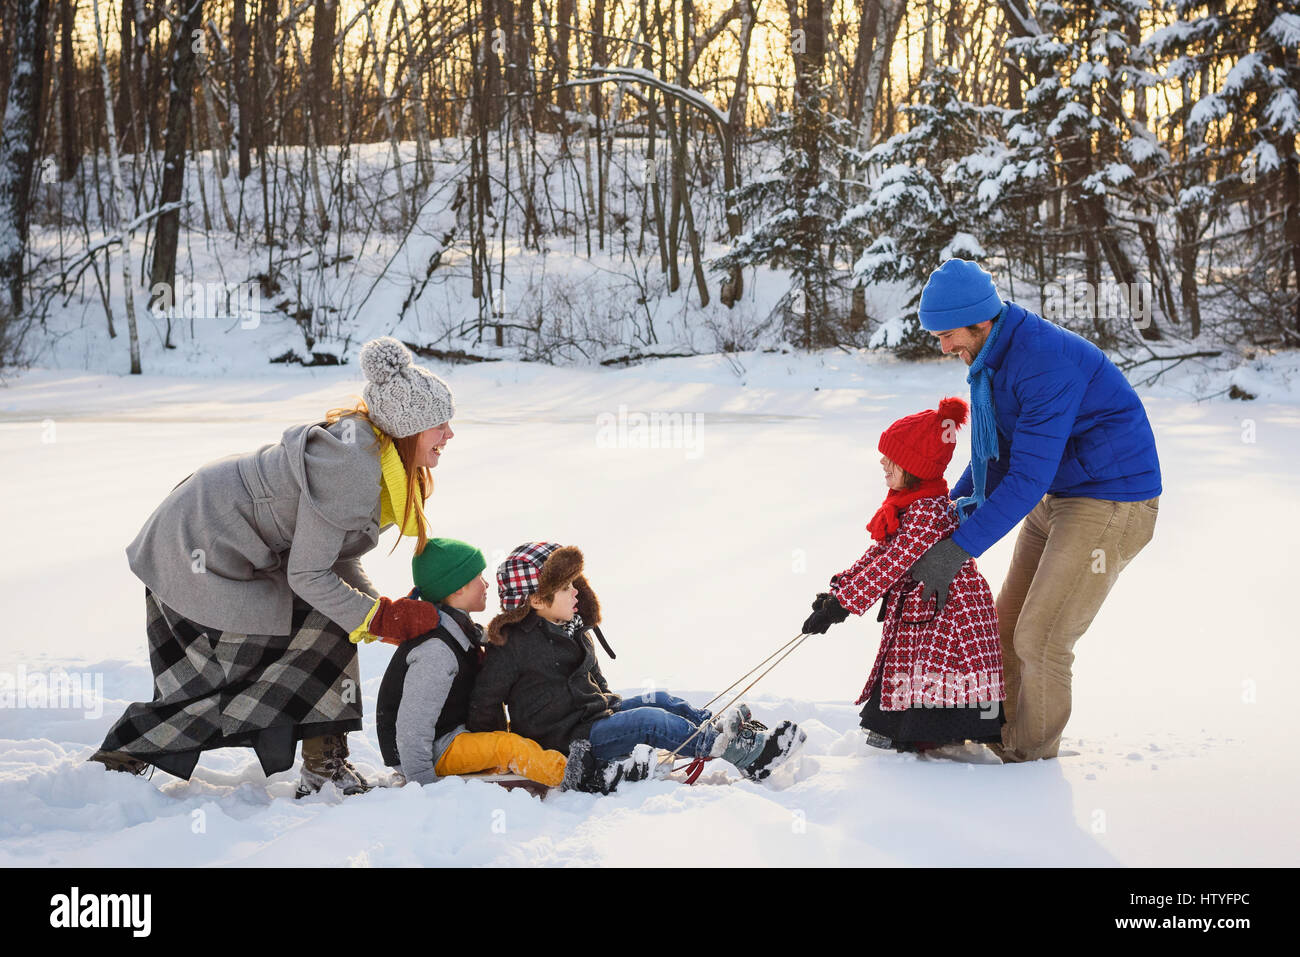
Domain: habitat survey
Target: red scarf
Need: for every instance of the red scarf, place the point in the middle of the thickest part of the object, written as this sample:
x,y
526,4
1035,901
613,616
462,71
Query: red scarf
x,y
885,521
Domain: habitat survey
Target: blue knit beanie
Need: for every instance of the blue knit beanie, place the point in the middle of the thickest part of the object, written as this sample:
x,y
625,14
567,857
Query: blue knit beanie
x,y
958,293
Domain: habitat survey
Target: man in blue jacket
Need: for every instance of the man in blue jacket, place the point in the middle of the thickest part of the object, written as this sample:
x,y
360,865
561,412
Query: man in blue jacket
x,y
1059,439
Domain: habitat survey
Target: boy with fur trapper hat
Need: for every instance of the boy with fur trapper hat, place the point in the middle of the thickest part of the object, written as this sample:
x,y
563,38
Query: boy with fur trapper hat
x,y
541,662
425,693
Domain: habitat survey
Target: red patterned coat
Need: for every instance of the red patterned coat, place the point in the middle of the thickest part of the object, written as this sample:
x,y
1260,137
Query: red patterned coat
x,y
925,659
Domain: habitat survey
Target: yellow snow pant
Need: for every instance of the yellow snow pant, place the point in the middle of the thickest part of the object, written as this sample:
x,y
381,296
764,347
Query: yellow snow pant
x,y
502,752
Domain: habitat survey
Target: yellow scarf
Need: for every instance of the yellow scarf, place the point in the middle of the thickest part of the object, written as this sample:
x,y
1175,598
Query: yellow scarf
x,y
392,497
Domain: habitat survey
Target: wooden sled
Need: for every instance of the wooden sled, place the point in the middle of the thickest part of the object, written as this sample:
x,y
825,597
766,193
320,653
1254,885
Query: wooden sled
x,y
510,782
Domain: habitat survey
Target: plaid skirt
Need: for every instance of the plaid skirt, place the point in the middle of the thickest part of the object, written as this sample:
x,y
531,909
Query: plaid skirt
x,y
933,726
220,689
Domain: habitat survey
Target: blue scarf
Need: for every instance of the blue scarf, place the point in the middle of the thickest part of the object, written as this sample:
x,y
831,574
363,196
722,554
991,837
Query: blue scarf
x,y
984,426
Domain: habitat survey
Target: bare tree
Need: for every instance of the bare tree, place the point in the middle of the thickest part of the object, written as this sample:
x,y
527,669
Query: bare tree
x,y
187,36
119,204
18,157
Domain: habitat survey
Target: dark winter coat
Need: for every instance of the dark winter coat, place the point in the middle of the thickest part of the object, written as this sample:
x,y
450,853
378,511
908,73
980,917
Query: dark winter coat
x,y
551,683
925,659
1068,424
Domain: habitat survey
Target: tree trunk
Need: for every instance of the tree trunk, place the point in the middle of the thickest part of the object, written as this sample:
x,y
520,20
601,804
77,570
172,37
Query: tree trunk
x,y
1291,201
734,286
239,26
119,205
564,94
18,157
184,68
70,155
888,16
126,85
324,24
490,63
806,142
1157,269
653,178
868,27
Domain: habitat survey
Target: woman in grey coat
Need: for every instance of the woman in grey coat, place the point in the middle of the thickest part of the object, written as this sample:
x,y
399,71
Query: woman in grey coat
x,y
254,592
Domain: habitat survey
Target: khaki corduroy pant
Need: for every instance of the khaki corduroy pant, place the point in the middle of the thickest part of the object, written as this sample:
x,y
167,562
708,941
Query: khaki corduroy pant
x,y
1067,557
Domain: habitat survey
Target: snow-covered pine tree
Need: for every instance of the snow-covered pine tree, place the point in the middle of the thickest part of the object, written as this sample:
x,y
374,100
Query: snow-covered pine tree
x,y
923,202
1238,151
801,198
1076,57
790,228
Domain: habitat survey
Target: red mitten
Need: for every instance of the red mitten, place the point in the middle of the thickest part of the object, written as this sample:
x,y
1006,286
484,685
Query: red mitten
x,y
402,620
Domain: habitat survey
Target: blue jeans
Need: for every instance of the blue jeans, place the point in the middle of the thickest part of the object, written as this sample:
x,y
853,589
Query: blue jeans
x,y
657,719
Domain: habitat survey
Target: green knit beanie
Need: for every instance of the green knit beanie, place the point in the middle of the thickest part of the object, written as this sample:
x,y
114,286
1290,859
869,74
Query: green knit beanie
x,y
445,566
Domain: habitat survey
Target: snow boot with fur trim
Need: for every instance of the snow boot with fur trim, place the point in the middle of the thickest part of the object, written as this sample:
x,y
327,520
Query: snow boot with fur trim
x,y
325,759
121,761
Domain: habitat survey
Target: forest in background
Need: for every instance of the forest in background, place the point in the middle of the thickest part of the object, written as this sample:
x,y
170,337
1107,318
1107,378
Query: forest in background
x,y
1130,169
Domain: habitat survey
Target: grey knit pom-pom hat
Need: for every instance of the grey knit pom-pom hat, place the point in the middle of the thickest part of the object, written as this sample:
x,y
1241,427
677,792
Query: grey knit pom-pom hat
x,y
403,398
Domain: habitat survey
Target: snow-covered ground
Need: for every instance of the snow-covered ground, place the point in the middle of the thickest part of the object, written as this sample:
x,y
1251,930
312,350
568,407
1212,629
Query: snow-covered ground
x,y
705,556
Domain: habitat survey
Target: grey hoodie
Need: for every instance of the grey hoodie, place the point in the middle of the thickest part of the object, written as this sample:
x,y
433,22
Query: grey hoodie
x,y
233,543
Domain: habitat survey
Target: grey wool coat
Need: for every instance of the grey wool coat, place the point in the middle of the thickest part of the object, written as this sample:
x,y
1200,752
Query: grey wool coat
x,y
233,543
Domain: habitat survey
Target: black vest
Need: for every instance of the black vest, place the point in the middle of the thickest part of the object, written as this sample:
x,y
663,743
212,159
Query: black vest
x,y
455,710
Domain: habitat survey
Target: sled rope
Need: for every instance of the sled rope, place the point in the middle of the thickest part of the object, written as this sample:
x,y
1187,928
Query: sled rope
x,y
697,765
751,671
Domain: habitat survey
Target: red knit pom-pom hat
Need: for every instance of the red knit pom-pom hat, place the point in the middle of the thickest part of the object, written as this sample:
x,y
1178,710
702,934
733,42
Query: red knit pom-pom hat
x,y
923,443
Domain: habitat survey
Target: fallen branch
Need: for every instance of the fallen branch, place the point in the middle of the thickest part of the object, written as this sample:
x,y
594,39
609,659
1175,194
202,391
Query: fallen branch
x,y
641,356
1208,354
447,355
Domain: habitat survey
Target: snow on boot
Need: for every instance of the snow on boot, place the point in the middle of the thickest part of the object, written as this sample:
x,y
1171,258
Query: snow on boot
x,y
584,772
738,742
325,758
635,767
781,745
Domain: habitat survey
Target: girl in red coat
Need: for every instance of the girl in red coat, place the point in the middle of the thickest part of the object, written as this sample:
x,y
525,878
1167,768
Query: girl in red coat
x,y
938,676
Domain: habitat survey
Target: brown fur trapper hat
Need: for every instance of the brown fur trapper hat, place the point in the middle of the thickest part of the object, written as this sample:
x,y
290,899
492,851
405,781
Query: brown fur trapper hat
x,y
541,569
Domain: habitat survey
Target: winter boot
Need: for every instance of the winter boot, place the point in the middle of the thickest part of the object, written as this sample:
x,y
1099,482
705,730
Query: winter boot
x,y
578,768
878,740
120,761
325,758
738,742
781,745
584,772
748,717
635,767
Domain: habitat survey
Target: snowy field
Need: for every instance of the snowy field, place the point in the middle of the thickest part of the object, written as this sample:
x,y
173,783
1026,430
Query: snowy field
x,y
705,557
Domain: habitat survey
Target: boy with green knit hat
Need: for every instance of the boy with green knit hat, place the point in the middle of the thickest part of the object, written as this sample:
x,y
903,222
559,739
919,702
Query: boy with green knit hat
x,y
424,696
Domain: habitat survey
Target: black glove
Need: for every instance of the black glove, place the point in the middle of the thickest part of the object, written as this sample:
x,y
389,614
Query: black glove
x,y
829,612
820,600
936,569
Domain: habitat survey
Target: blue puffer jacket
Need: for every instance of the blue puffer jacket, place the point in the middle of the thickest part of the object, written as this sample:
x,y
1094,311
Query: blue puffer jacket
x,y
1069,424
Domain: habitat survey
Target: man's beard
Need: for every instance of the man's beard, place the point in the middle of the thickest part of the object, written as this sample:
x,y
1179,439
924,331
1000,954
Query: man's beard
x,y
976,348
